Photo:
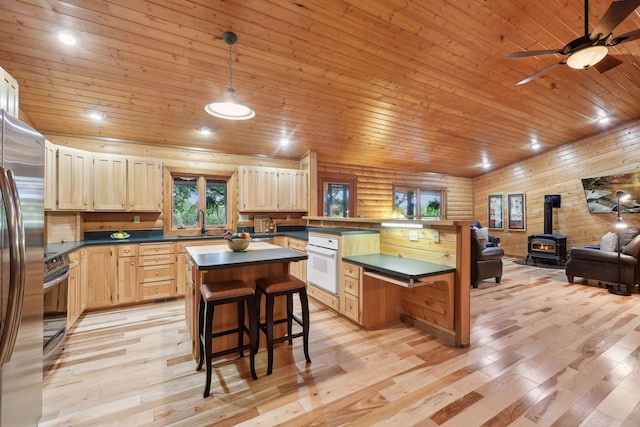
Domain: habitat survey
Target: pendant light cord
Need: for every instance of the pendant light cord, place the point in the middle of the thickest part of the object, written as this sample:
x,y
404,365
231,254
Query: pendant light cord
x,y
230,73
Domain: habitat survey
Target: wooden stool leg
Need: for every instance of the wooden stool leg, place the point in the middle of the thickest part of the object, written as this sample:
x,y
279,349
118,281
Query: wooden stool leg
x,y
269,322
290,317
305,322
253,333
241,326
257,303
208,328
200,334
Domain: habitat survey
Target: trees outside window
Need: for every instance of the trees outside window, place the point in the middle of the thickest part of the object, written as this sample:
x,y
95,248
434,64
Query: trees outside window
x,y
418,203
190,194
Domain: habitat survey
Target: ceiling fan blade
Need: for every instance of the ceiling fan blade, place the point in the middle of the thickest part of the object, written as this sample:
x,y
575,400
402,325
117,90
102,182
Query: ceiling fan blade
x,y
539,73
533,53
618,10
632,35
607,63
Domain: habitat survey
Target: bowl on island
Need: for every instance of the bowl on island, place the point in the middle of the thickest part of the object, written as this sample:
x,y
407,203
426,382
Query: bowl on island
x,y
239,244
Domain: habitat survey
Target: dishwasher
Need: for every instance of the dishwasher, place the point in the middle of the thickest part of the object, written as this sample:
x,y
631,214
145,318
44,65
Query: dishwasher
x,y
322,264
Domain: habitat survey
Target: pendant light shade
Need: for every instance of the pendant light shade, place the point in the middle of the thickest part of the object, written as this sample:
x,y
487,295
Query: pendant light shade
x,y
229,106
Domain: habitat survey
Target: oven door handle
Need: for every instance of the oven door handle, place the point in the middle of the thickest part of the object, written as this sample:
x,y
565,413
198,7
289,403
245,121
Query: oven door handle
x,y
55,279
321,251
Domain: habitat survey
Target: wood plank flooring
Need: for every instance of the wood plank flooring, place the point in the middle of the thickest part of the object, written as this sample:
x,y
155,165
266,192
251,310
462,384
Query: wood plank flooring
x,y
543,353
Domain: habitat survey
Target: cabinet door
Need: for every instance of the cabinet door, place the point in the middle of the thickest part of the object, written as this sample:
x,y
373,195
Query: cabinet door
x,y
293,190
50,172
144,185
183,273
127,280
258,189
101,286
74,179
9,93
83,277
297,269
109,182
73,300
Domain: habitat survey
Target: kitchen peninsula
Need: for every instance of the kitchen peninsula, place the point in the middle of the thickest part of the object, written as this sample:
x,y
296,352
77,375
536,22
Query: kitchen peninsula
x,y
216,263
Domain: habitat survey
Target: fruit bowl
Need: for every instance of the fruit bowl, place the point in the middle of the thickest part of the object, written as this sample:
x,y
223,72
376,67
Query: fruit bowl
x,y
120,235
238,245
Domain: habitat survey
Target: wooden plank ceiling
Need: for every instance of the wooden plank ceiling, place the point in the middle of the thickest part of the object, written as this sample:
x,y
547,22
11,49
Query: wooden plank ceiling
x,y
415,85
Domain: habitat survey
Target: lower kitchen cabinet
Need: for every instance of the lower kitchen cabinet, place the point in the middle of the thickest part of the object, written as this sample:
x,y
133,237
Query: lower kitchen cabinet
x,y
350,306
101,287
127,286
74,289
297,269
156,271
183,272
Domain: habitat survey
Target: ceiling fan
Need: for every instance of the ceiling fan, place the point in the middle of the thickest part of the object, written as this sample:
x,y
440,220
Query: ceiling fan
x,y
591,50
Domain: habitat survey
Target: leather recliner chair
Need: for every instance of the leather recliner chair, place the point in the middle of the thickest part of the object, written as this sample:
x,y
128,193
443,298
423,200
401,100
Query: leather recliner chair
x,y
595,264
486,262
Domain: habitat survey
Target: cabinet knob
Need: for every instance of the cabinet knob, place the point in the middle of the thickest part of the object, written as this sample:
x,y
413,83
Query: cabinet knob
x,y
123,203
157,259
157,290
157,273
126,251
133,263
131,204
157,249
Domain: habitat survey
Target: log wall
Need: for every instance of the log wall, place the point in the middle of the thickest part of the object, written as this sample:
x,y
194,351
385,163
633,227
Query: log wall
x,y
559,171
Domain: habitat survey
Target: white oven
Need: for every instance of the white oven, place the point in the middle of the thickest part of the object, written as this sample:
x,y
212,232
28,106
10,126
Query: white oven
x,y
322,264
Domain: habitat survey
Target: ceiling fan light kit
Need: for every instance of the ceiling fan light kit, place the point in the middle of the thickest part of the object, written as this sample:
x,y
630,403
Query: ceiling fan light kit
x,y
592,49
229,106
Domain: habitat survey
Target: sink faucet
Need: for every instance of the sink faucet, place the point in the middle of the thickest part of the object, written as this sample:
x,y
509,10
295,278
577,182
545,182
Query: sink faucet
x,y
203,230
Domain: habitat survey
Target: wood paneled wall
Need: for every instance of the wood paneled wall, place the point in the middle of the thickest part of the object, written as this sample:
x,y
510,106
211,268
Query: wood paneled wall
x,y
559,171
375,189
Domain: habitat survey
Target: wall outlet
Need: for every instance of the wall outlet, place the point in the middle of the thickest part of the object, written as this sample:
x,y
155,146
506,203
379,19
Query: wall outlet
x,y
413,235
436,236
136,219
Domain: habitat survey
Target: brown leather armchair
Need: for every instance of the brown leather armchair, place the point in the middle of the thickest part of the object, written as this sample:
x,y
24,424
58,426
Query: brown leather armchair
x,y
486,262
595,264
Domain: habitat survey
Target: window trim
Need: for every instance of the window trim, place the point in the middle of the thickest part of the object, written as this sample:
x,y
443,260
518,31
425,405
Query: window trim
x,y
351,180
167,192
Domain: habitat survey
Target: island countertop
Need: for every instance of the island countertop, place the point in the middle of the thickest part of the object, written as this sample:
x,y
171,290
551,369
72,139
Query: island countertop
x,y
220,256
405,268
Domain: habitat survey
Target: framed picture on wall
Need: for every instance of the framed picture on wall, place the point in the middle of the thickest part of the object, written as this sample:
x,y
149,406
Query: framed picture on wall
x,y
496,214
516,211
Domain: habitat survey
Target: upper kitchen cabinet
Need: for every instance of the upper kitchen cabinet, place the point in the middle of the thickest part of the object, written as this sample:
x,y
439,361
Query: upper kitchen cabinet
x,y
144,186
109,182
125,183
75,186
9,93
263,189
50,176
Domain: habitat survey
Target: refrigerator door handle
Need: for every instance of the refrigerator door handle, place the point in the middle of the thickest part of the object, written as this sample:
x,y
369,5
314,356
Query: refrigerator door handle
x,y
17,262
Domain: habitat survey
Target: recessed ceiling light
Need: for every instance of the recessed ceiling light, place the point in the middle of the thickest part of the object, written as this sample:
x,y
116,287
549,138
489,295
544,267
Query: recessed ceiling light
x,y
204,130
604,120
96,115
67,36
284,141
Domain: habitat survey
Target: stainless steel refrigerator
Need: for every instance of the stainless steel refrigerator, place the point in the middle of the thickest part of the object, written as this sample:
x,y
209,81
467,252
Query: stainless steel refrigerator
x,y
21,277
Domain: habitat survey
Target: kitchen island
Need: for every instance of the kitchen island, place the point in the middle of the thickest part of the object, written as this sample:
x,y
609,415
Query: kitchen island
x,y
216,263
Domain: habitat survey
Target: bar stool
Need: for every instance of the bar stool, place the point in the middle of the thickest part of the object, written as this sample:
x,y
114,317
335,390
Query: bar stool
x,y
271,287
226,292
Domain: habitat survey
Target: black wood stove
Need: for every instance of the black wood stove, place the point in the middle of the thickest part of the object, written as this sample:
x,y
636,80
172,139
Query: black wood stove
x,y
548,246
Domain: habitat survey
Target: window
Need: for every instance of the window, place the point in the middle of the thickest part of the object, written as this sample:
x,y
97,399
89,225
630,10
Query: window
x,y
338,195
418,203
194,193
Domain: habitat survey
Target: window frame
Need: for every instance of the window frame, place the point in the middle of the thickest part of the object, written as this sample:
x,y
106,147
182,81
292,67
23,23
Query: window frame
x,y
418,191
171,229
349,180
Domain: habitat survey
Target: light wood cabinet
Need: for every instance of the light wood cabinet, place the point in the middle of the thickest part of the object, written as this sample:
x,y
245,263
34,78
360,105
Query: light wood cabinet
x,y
50,178
352,282
101,265
74,291
127,285
144,184
297,269
263,189
74,179
293,190
109,182
84,280
156,271
9,93
183,265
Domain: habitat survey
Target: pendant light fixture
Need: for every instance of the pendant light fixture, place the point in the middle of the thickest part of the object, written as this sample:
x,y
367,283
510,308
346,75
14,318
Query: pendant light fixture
x,y
229,106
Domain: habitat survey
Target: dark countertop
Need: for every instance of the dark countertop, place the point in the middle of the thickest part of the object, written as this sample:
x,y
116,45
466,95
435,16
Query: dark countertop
x,y
341,231
150,236
404,268
219,259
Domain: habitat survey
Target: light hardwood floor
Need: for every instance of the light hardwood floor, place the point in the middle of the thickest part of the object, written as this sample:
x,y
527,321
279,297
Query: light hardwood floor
x,y
543,353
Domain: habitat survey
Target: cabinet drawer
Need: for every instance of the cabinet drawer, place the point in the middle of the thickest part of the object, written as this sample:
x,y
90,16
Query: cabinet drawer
x,y
155,273
330,300
350,308
74,259
351,270
352,286
156,248
158,259
156,290
127,250
298,245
